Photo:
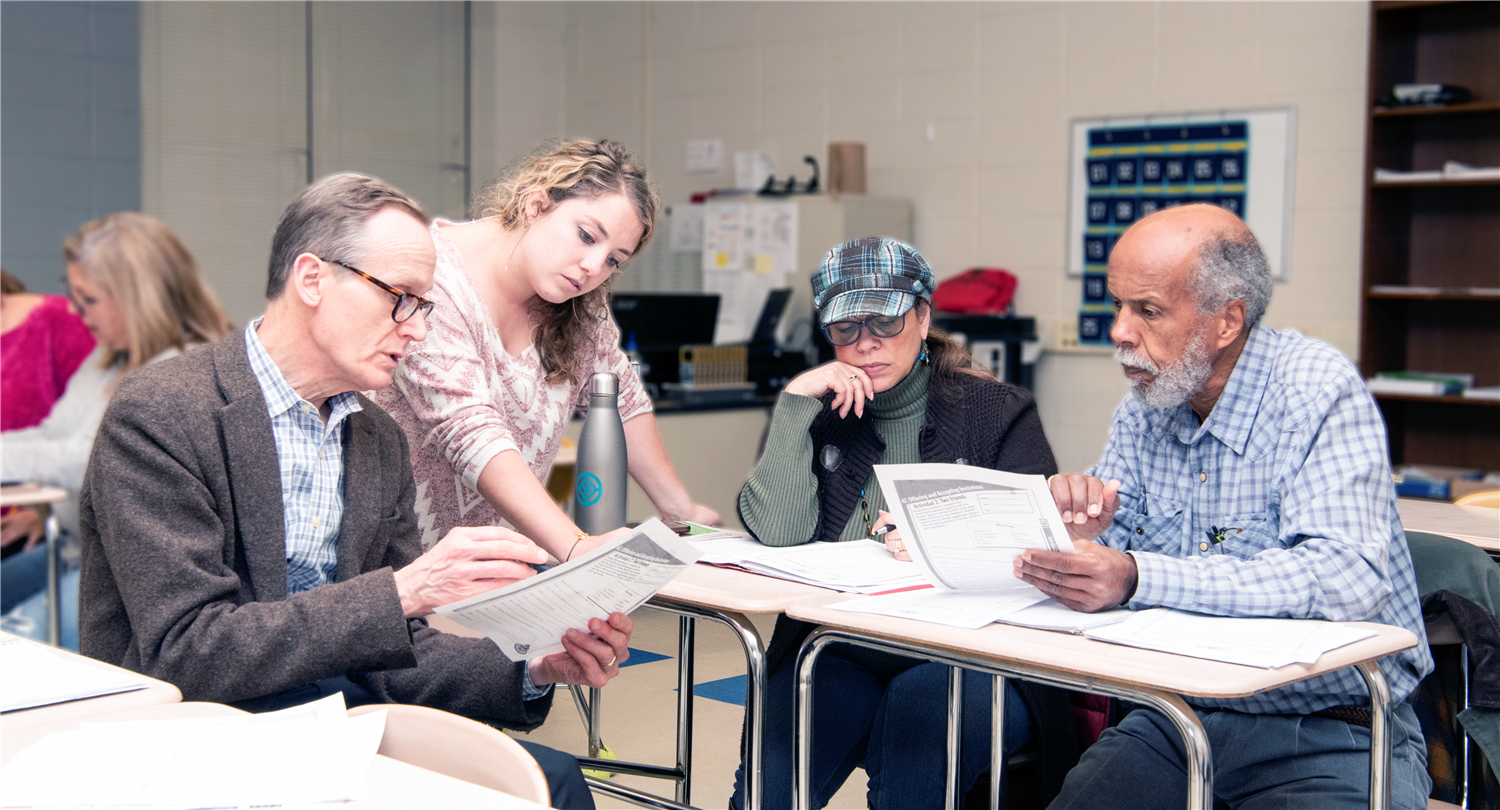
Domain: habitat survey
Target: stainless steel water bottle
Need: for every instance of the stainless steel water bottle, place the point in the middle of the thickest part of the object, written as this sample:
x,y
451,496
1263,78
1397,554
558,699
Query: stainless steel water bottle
x,y
599,491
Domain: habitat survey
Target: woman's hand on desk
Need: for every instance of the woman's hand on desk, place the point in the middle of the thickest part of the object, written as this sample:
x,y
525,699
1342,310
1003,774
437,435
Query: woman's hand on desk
x,y
893,542
851,386
699,514
467,561
22,524
592,658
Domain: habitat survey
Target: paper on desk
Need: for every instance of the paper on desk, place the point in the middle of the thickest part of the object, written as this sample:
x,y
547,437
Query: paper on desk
x,y
1253,642
966,609
855,566
1050,614
527,619
32,675
250,760
964,525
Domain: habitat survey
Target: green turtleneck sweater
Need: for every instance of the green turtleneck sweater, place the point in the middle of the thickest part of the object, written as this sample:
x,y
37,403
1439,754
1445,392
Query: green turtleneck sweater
x,y
780,500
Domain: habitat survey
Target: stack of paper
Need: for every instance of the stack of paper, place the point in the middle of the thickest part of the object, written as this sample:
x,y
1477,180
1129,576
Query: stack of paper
x,y
312,753
1265,643
854,567
33,675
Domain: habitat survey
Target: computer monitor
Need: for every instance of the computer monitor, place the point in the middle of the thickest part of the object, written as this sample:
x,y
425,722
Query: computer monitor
x,y
770,316
664,320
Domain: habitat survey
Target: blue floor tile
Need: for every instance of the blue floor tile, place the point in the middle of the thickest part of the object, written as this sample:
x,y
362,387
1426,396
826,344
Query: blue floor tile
x,y
724,690
642,657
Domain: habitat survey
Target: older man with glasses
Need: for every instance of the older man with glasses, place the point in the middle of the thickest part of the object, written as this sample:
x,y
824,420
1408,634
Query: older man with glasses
x,y
247,519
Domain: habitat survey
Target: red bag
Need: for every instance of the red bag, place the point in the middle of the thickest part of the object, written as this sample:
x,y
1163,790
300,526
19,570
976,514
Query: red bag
x,y
976,291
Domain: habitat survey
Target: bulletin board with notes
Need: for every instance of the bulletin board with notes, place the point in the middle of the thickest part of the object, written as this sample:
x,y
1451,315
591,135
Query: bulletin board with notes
x,y
1123,169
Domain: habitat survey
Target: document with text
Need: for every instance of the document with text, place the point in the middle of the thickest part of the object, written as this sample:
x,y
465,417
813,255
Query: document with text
x,y
527,619
965,525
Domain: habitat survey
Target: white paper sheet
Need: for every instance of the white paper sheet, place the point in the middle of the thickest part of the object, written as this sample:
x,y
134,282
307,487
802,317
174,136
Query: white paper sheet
x,y
252,760
857,566
1051,614
1254,642
527,619
964,525
32,675
954,608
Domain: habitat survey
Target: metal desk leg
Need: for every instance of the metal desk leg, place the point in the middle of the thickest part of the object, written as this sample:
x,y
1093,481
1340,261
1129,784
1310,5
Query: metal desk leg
x,y
997,739
1380,734
802,721
54,588
954,795
686,631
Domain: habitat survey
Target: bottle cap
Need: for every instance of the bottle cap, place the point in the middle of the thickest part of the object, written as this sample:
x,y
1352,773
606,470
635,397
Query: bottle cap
x,y
604,383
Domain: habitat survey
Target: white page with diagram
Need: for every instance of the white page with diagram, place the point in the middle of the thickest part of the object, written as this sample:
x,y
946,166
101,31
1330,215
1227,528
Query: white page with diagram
x,y
965,525
527,619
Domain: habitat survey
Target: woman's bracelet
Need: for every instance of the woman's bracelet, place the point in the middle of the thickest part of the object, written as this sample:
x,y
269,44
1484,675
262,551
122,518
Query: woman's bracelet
x,y
582,535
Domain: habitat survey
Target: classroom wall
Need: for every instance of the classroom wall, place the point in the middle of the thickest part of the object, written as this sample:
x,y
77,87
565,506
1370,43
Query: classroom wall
x,y
965,108
70,127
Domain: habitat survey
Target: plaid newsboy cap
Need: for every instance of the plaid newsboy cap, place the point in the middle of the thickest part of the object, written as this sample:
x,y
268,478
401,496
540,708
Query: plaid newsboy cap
x,y
874,275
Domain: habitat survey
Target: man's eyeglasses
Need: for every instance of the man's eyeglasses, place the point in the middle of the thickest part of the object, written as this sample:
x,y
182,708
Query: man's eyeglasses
x,y
843,333
407,304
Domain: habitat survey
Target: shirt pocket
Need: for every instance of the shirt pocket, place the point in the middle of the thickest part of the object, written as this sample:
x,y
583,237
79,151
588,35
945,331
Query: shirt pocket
x,y
1245,535
1159,532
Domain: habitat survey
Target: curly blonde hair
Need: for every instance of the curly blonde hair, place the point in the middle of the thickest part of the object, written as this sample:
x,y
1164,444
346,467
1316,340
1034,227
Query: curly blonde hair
x,y
568,170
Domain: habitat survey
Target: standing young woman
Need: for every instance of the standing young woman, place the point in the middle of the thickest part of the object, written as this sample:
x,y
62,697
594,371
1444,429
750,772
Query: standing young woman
x,y
137,288
521,323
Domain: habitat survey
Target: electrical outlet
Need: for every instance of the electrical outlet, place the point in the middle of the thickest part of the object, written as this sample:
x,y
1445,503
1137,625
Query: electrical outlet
x,y
1067,333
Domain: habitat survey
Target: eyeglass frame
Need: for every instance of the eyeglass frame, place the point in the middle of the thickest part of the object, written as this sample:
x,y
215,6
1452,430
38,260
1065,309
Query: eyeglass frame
x,y
67,288
424,306
863,326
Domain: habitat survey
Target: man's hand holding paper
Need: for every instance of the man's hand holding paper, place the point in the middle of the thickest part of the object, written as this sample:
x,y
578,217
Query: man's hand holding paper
x,y
590,658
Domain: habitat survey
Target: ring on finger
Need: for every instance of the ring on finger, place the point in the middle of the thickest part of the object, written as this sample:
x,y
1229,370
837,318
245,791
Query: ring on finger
x,y
852,376
612,660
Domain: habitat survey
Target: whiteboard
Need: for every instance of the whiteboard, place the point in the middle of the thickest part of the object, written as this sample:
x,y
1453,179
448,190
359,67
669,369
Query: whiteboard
x,y
1266,153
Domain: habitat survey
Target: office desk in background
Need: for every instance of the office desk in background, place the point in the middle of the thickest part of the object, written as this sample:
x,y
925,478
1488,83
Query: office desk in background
x,y
1477,525
34,495
1155,679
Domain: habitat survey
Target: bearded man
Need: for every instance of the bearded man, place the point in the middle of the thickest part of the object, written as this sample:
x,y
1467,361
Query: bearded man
x,y
1246,475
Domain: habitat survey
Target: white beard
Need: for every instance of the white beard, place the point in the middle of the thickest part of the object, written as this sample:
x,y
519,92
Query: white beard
x,y
1172,385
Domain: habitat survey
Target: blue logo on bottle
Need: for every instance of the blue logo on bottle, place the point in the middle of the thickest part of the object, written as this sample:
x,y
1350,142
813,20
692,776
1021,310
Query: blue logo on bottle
x,y
588,489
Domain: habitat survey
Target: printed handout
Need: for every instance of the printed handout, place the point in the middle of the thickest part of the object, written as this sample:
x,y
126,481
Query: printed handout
x,y
527,619
965,525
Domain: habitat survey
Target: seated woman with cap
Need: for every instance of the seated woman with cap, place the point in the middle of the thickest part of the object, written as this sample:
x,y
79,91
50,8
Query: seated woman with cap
x,y
900,391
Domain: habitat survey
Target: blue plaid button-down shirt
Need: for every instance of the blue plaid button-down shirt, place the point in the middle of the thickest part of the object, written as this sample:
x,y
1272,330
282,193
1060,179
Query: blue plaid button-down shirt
x,y
311,454
1290,468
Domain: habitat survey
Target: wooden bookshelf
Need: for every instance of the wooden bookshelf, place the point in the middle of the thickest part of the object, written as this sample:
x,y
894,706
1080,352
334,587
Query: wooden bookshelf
x,y
1442,235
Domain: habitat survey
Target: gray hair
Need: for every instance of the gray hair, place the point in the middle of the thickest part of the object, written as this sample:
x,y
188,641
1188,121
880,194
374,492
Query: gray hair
x,y
327,219
1232,268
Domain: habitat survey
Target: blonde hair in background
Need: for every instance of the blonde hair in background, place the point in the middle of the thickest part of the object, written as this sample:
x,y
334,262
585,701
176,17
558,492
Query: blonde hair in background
x,y
565,170
152,277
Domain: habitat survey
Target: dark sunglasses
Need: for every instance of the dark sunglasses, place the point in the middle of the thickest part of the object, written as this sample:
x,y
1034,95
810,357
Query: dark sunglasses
x,y
843,333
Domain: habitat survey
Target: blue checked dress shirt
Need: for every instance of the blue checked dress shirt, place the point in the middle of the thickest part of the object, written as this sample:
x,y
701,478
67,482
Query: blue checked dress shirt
x,y
1290,468
311,454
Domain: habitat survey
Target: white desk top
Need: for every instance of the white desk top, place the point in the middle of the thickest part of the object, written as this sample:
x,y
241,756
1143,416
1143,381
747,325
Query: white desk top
x,y
392,784
31,495
1478,525
1098,660
736,591
68,714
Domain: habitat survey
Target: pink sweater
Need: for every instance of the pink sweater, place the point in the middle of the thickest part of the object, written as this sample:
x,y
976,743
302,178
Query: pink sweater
x,y
462,400
36,360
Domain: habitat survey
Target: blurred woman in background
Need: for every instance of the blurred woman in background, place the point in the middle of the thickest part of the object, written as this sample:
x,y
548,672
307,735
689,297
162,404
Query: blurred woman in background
x,y
42,342
137,288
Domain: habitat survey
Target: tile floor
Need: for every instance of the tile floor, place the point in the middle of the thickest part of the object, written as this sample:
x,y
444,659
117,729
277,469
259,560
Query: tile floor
x,y
640,714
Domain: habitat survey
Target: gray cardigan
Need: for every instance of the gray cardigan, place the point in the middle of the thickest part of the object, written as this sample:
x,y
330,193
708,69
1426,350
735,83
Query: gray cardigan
x,y
184,555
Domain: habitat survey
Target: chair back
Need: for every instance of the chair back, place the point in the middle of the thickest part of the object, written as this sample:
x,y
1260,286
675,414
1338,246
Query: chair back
x,y
459,747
